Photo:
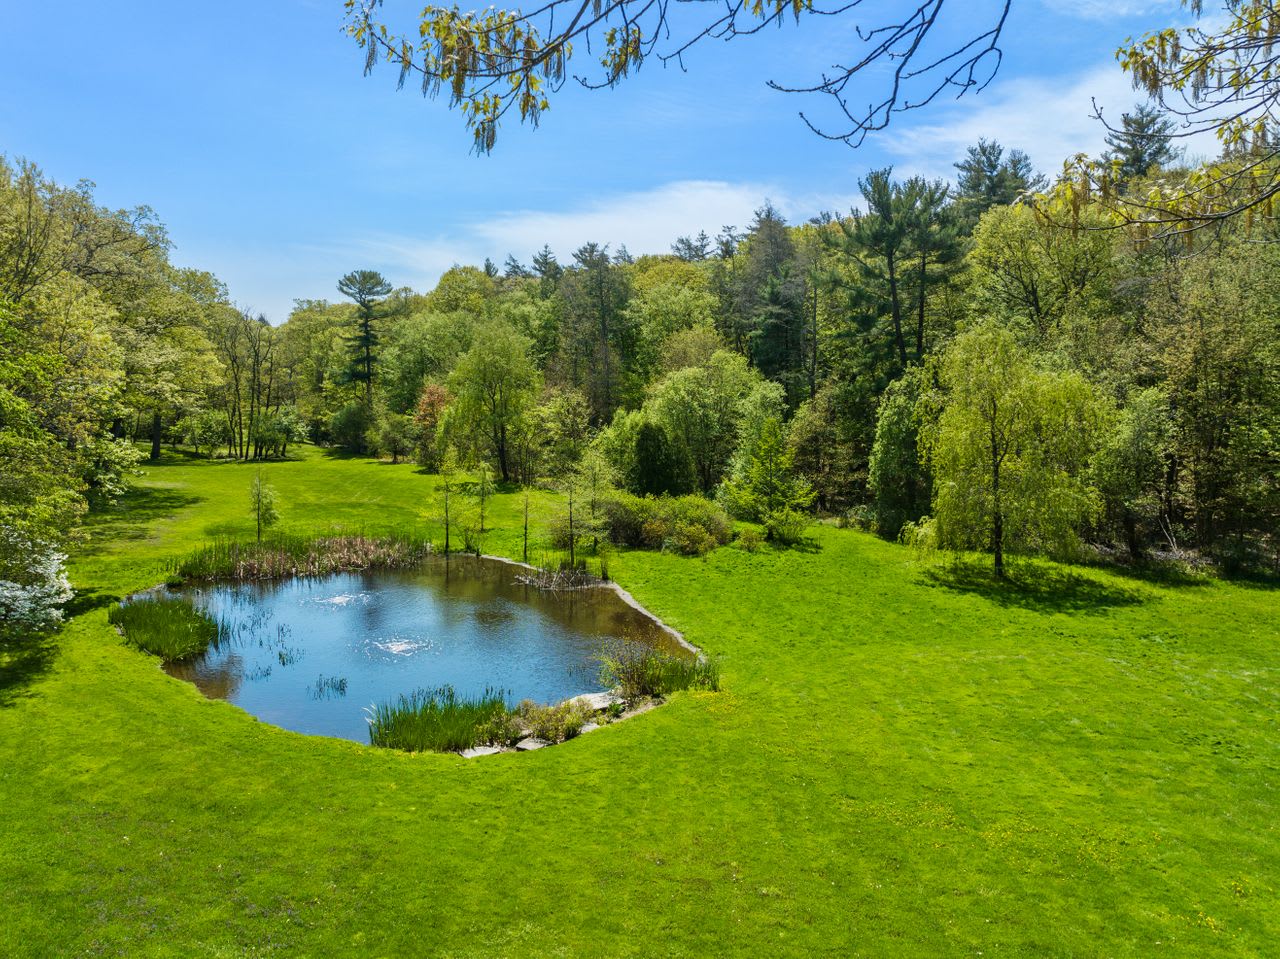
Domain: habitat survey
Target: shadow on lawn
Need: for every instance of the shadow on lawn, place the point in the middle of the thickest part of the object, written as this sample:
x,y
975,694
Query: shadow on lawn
x,y
132,516
23,659
1040,588
26,657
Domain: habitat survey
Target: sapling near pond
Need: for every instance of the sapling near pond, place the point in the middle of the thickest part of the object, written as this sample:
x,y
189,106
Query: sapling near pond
x,y
263,498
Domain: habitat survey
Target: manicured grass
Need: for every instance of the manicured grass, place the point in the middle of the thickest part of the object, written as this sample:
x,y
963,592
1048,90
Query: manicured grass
x,y
902,760
169,628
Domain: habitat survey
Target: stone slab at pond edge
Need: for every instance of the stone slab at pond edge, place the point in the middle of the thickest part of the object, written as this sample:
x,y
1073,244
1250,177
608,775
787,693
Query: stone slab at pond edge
x,y
475,751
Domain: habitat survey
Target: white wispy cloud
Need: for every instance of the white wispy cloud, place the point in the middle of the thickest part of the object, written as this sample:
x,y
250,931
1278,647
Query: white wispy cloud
x,y
1051,120
645,221
1110,9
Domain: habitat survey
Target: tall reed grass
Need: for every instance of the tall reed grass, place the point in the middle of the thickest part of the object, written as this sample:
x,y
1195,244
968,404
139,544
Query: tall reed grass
x,y
282,556
437,720
637,671
169,628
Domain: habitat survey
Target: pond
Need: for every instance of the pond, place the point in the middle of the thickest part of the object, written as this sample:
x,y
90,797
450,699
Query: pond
x,y
311,654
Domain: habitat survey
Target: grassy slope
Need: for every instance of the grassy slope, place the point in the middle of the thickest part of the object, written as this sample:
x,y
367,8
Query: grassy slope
x,y
904,762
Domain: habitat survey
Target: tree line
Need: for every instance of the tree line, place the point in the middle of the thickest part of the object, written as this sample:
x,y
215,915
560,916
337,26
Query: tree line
x,y
996,363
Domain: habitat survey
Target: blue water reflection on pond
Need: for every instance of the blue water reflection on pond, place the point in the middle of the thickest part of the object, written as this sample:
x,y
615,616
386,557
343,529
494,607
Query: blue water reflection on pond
x,y
310,654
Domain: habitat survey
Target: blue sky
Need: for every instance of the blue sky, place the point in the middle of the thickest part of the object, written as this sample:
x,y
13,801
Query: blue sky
x,y
251,130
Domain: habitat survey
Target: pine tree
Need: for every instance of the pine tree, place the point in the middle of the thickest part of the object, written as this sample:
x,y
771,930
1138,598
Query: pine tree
x,y
1142,142
367,288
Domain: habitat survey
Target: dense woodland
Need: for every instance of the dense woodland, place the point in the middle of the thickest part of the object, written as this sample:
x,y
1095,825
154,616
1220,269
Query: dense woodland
x,y
996,363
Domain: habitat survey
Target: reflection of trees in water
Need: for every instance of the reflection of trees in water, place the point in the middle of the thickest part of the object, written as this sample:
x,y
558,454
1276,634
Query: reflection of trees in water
x,y
218,678
477,605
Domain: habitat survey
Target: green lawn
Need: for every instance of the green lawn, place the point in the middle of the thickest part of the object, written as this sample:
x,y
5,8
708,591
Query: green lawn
x,y
904,761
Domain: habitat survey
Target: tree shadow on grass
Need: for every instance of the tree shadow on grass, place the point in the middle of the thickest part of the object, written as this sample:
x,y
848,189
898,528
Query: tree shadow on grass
x,y
23,660
133,515
1042,589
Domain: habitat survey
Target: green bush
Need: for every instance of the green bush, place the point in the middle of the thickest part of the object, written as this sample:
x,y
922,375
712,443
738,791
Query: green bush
x,y
654,532
786,526
349,427
437,720
699,511
689,539
554,724
750,539
686,524
170,628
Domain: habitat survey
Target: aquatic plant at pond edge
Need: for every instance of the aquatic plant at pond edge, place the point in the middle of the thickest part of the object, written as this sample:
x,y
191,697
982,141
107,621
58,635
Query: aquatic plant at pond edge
x,y
278,557
435,720
170,628
555,723
638,671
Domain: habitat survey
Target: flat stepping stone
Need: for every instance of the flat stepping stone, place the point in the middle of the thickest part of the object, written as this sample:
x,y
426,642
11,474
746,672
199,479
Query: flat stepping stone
x,y
475,751
596,701
588,727
533,742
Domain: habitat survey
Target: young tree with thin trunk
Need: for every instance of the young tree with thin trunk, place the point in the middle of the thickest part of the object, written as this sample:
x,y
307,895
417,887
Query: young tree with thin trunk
x,y
448,477
263,498
1010,450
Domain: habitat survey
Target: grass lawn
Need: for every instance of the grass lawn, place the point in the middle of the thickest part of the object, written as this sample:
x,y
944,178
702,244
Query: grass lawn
x,y
904,760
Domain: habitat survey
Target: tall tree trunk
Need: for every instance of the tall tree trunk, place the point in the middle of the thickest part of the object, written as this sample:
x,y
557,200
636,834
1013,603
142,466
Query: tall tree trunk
x,y
997,520
924,264
813,348
156,435
896,308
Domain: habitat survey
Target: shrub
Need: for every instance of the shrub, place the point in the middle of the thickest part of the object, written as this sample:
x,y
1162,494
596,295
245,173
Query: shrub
x,y
638,671
750,539
501,729
679,523
170,628
436,720
699,511
349,427
689,539
554,724
786,526
654,533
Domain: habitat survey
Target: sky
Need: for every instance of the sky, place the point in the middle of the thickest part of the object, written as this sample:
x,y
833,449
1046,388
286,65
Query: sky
x,y
251,130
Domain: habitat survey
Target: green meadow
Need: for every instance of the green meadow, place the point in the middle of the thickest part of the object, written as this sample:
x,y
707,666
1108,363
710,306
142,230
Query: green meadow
x,y
904,759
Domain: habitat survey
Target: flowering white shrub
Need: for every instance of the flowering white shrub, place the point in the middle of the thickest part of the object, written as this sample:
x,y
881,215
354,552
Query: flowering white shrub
x,y
33,581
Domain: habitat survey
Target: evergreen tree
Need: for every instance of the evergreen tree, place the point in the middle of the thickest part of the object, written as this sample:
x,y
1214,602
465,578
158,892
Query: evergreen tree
x,y
367,288
548,271
1143,141
692,249
987,178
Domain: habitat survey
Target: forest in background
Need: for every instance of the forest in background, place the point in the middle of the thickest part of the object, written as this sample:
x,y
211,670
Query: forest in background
x,y
998,363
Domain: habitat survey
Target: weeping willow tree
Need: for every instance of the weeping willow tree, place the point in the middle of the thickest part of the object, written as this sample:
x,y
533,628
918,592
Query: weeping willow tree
x,y
1009,449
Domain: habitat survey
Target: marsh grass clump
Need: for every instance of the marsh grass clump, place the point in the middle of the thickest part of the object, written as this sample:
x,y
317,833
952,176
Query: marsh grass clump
x,y
556,723
278,557
329,687
170,628
436,720
640,671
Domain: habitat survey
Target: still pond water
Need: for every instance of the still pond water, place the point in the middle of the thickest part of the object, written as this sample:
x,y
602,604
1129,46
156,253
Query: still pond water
x,y
310,654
